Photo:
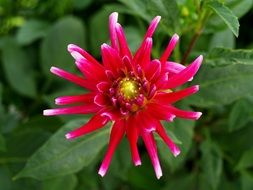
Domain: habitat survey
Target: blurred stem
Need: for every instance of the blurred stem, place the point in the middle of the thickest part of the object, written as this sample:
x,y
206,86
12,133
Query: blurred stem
x,y
198,31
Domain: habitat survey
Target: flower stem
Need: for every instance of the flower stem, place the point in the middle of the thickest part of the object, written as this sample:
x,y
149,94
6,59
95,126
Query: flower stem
x,y
198,31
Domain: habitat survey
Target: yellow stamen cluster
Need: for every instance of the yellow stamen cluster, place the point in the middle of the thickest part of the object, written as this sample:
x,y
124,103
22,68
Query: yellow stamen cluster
x,y
129,88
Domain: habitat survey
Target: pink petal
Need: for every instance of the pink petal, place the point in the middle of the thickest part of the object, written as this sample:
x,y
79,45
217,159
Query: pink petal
x,y
185,74
173,67
154,70
111,58
175,96
149,142
84,98
113,19
124,49
169,48
160,112
146,120
151,29
172,146
103,86
72,78
93,124
143,55
132,135
78,53
101,100
85,109
183,113
117,133
88,69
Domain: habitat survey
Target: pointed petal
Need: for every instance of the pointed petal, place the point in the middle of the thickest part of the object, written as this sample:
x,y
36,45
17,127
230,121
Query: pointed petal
x,y
175,96
100,100
183,113
103,86
153,70
84,98
133,135
117,133
162,133
169,48
173,67
93,124
85,109
78,53
72,78
113,19
143,55
160,112
149,142
124,49
185,74
111,58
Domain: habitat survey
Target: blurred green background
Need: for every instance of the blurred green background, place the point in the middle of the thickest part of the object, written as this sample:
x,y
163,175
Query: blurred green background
x,y
217,152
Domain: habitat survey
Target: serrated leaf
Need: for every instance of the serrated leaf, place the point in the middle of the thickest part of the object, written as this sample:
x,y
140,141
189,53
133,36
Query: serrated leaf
x,y
224,77
54,46
224,39
68,182
59,156
240,115
226,15
245,160
17,68
211,163
31,31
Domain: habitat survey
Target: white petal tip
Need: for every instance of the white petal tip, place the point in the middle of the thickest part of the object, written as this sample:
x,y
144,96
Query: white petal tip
x,y
102,172
137,163
47,112
77,56
68,136
176,152
175,37
198,115
159,174
71,47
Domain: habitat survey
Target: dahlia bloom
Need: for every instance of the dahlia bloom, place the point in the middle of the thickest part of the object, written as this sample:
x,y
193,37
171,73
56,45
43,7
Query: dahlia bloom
x,y
132,91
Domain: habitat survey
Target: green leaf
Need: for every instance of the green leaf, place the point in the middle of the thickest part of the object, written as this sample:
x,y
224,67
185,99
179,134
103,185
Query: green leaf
x,y
168,10
182,182
54,46
226,15
240,115
81,4
245,160
183,130
211,163
224,38
68,182
246,180
31,31
59,156
2,143
17,67
224,77
97,24
239,8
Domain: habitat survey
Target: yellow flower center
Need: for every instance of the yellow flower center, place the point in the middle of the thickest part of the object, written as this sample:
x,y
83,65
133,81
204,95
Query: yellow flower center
x,y
129,88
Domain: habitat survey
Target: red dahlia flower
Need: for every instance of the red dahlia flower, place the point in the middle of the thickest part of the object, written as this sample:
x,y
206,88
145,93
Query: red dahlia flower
x,y
134,92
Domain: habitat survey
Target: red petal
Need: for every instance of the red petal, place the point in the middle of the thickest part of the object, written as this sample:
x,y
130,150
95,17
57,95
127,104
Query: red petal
x,y
175,96
149,141
169,48
85,109
113,19
72,78
117,133
183,113
185,74
93,124
143,55
160,112
124,49
84,98
172,146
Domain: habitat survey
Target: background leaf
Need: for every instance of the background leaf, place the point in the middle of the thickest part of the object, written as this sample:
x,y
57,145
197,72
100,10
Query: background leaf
x,y
54,46
59,156
226,15
226,71
17,66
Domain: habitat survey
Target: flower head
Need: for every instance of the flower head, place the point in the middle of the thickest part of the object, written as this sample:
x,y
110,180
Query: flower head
x,y
132,91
